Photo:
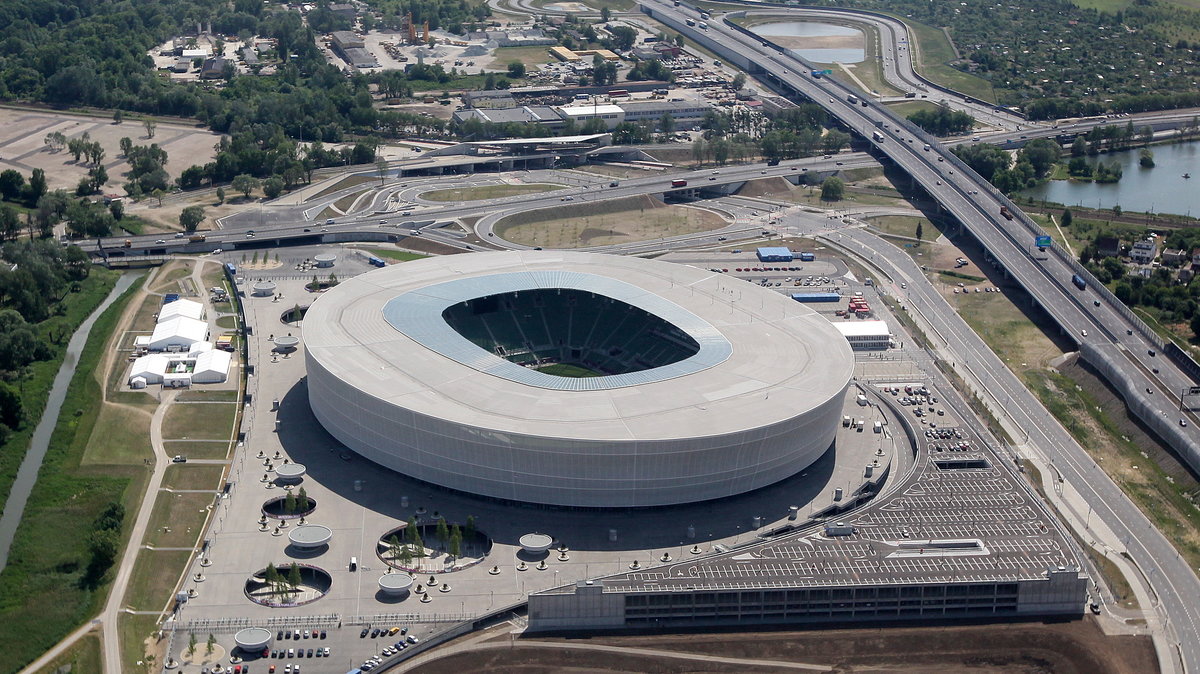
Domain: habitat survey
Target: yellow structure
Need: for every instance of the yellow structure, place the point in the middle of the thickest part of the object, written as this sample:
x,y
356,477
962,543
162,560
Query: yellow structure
x,y
564,54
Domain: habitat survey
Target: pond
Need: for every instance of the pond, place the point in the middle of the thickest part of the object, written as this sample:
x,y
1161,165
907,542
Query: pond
x,y
817,42
1161,189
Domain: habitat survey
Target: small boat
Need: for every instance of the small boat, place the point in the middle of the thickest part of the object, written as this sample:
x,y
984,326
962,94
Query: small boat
x,y
1187,175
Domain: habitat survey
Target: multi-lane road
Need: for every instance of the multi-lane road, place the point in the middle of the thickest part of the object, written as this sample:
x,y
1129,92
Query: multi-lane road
x,y
1092,319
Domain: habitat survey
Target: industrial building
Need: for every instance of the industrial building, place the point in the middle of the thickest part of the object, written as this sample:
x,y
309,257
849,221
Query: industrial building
x,y
526,114
439,376
865,335
352,49
490,100
684,113
611,115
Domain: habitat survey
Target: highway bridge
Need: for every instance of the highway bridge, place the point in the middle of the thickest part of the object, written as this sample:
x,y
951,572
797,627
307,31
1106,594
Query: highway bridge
x,y
1110,337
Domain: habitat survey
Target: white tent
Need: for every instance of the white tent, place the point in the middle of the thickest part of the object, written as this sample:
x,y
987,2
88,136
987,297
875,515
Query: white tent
x,y
186,308
149,368
198,348
178,333
212,367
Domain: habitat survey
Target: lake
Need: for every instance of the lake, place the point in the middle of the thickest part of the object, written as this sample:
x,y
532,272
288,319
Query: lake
x,y
818,42
1161,189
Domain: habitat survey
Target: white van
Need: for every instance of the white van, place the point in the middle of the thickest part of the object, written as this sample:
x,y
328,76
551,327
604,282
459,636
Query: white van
x,y
878,426
354,563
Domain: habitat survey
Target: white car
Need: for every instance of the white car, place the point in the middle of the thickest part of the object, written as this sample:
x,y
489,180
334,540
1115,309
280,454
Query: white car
x,y
161,241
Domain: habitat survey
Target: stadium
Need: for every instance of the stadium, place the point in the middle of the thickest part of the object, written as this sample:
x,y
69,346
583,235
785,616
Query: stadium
x,y
575,379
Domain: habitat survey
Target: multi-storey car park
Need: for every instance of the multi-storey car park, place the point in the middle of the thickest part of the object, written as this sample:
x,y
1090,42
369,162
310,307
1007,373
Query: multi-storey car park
x,y
960,537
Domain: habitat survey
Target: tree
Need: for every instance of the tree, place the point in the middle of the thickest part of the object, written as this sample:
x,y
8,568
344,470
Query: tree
x,y
832,189
37,187
244,183
410,530
920,231
1146,158
150,125
289,503
393,547
294,579
1067,217
455,542
739,81
605,14
118,117
191,217
381,166
442,533
220,195
191,649
405,556
212,643
158,195
419,547
272,187
1196,324
470,529
516,70
12,183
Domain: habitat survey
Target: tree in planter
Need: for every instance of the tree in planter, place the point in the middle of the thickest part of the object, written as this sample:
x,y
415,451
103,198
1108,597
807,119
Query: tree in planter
x,y
271,575
418,546
406,553
294,577
301,495
296,314
442,534
289,503
410,531
316,284
470,529
191,649
208,647
456,542
394,547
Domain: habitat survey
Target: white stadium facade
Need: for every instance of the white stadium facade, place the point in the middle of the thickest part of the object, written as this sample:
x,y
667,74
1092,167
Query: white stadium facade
x,y
575,379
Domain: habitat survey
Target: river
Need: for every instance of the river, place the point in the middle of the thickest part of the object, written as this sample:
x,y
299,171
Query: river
x,y
1161,189
839,44
40,442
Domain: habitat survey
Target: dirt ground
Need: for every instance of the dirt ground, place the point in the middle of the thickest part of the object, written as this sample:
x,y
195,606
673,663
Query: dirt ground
x,y
22,146
1074,647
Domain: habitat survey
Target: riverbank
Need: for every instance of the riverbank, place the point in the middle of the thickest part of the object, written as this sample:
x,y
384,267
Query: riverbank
x,y
52,584
35,386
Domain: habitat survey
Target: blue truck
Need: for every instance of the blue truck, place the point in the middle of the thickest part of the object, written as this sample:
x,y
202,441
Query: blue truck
x,y
807,257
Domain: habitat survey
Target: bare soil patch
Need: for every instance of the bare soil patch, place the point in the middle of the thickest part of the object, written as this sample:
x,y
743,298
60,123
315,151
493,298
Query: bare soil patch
x,y
1074,647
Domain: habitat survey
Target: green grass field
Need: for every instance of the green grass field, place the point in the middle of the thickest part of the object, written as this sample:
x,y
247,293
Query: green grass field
x,y
934,52
399,255
217,449
184,476
530,56
199,421
84,656
43,590
569,370
487,192
154,576
177,519
905,225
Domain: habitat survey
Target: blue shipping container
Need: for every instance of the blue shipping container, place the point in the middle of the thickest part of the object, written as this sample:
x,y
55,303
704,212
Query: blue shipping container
x,y
170,297
816,297
807,257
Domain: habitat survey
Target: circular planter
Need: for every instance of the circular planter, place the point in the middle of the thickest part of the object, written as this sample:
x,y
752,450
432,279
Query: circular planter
x,y
310,536
314,584
475,549
253,639
274,508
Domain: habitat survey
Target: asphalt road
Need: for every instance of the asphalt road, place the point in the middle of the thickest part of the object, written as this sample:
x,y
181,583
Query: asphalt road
x,y
975,204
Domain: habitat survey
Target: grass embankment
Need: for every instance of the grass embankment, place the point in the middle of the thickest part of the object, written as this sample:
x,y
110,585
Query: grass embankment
x,y
398,255
199,421
84,656
35,385
48,589
1089,412
906,226
932,57
909,107
605,223
488,192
